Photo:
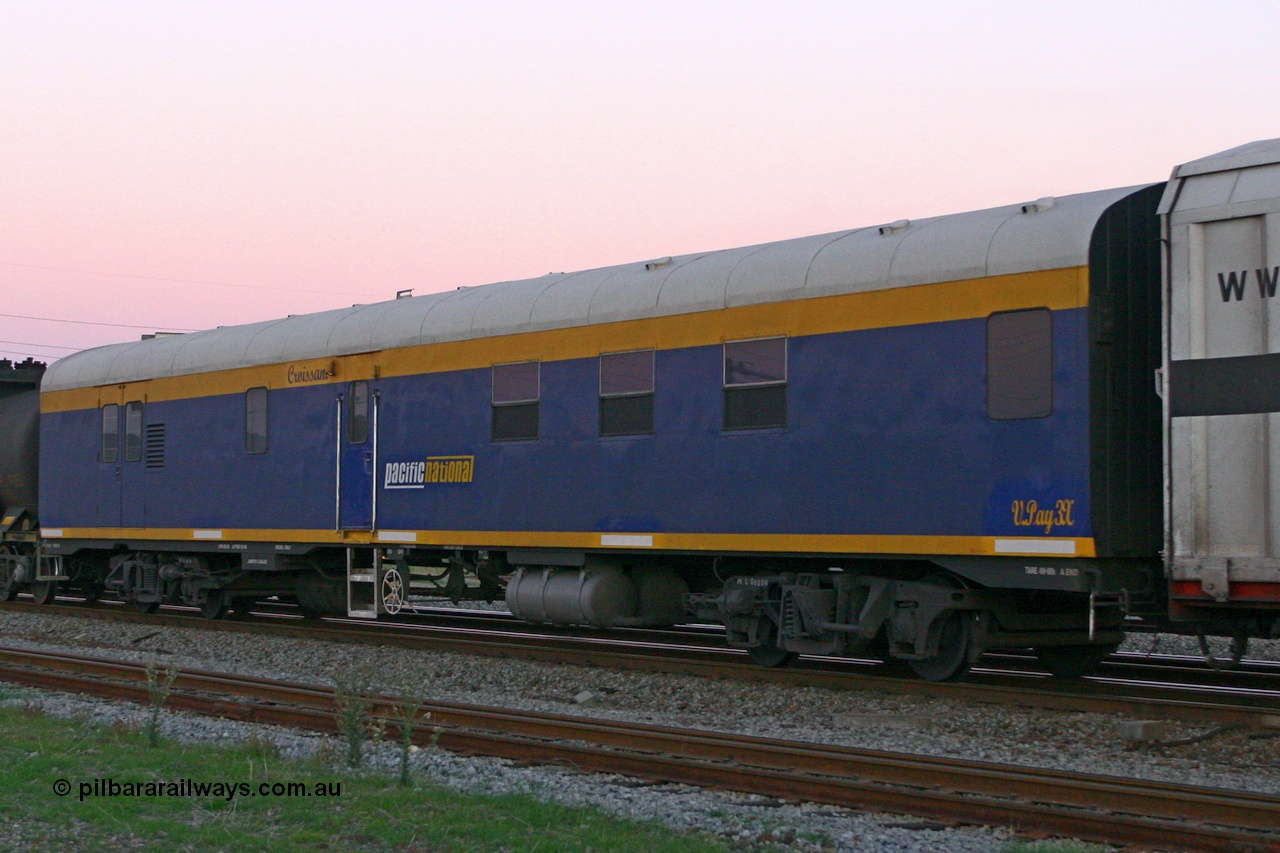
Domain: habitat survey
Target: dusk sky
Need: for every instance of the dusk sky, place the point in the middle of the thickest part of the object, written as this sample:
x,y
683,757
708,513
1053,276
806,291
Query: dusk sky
x,y
187,165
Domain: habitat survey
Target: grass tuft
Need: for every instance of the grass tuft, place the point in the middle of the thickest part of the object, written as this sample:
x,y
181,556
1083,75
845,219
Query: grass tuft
x,y
159,686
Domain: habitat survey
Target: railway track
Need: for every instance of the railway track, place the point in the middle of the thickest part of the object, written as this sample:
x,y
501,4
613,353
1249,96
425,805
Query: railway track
x,y
1124,693
1174,668
1092,807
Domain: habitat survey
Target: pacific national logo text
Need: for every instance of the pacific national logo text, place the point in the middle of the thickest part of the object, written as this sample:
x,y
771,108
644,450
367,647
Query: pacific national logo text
x,y
434,469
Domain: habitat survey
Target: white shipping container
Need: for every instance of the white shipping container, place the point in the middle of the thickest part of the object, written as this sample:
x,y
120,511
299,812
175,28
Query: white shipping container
x,y
1221,220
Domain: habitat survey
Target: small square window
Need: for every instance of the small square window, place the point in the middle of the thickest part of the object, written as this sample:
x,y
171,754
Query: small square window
x,y
758,362
516,383
626,373
626,415
517,422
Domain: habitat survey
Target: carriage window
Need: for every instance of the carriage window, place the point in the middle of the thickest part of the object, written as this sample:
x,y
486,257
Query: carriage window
x,y
626,393
133,432
516,389
755,384
255,420
110,432
1020,365
358,417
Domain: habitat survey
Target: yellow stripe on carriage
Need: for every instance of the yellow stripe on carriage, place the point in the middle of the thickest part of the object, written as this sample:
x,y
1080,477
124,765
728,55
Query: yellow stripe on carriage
x,y
742,543
904,306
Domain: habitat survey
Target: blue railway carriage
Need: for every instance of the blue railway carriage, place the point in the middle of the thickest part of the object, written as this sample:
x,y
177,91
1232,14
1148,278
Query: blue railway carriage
x,y
923,439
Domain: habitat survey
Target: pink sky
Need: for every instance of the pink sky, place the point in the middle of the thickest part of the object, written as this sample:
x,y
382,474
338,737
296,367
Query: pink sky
x,y
169,165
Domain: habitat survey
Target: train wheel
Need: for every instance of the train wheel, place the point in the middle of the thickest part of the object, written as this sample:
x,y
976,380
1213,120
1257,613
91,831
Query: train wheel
x,y
146,606
215,606
91,593
955,641
392,592
767,653
1073,661
44,591
1239,646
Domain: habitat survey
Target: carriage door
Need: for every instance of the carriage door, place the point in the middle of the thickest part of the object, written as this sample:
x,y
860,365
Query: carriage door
x,y
133,497
110,460
357,456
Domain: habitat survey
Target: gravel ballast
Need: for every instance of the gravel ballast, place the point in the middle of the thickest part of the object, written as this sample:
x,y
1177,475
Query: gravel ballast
x,y
1094,743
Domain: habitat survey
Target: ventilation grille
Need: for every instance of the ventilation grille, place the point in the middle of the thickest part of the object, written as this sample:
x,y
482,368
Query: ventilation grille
x,y
155,446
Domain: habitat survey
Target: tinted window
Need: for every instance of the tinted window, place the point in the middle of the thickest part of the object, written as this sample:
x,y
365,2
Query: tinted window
x,y
255,420
110,433
755,390
132,432
358,417
756,362
626,393
626,373
516,422
626,415
516,388
1020,364
516,383
761,407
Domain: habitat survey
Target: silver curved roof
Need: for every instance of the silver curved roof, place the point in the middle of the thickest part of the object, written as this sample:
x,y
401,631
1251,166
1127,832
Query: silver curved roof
x,y
1049,234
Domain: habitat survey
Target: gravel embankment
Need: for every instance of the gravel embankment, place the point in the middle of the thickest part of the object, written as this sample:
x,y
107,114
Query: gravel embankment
x,y
1242,760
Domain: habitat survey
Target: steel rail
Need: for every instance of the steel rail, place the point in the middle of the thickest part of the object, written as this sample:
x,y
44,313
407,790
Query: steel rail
x,y
1128,697
1089,806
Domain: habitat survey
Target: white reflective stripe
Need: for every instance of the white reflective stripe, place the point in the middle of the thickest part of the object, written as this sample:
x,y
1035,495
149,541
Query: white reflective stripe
x,y
207,534
625,541
397,536
52,533
1035,546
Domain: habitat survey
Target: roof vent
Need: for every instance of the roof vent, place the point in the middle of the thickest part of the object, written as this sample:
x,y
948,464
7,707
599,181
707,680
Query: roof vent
x,y
660,262
894,227
465,286
1039,205
404,294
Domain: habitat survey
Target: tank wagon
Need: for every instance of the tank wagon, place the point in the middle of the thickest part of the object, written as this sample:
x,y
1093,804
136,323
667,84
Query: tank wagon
x,y
1006,428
